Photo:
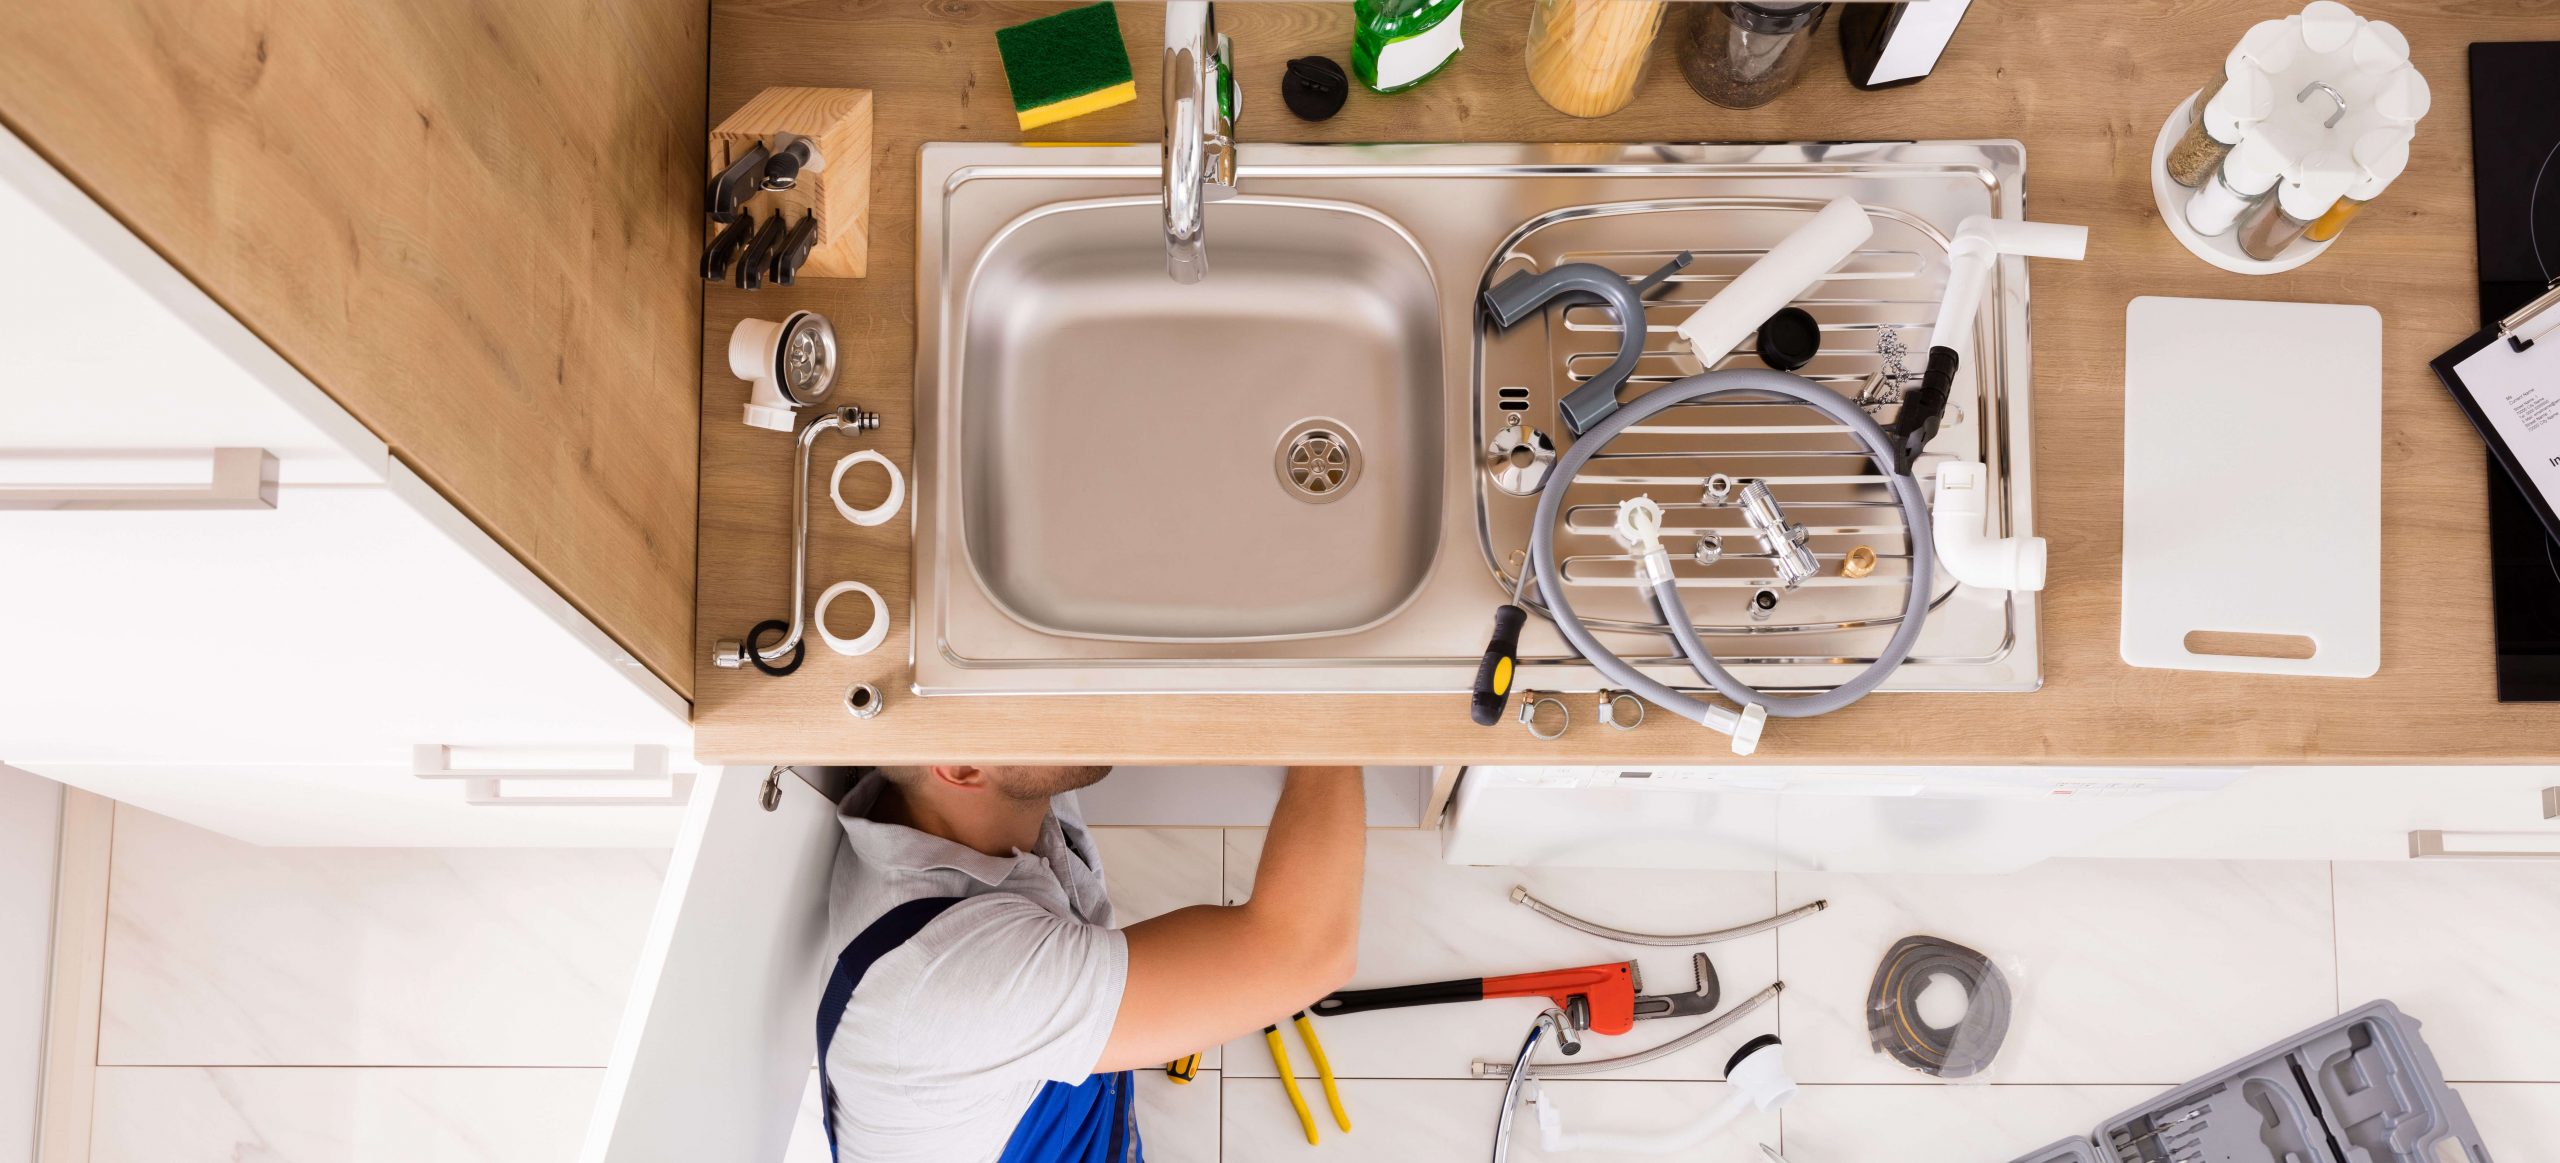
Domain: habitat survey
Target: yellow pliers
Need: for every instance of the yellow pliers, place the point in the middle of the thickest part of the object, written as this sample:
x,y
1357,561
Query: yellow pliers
x,y
1289,1076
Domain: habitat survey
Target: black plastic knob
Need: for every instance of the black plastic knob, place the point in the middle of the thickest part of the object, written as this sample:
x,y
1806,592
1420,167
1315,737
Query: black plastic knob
x,y
1314,88
1789,340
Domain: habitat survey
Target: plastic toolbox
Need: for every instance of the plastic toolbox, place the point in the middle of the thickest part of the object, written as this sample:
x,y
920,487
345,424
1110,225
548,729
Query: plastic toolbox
x,y
2359,1088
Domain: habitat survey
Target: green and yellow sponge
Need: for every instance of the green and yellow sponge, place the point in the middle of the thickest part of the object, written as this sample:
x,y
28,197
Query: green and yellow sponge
x,y
1066,65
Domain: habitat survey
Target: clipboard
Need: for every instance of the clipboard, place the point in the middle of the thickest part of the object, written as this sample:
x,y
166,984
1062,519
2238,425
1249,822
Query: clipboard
x,y
2507,379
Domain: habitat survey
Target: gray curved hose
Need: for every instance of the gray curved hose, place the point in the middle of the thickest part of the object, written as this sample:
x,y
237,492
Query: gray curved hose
x,y
1710,1028
1666,593
1520,896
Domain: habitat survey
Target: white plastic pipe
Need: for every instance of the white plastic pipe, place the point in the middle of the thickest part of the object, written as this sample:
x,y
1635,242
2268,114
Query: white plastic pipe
x,y
1798,261
1966,549
1758,1082
1979,242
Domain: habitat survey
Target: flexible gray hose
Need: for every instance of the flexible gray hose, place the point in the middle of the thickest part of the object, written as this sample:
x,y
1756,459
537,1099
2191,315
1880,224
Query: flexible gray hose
x,y
1666,594
1520,896
1710,1028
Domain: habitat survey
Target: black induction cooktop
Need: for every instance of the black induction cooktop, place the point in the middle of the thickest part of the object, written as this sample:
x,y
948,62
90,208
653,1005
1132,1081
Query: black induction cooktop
x,y
2515,148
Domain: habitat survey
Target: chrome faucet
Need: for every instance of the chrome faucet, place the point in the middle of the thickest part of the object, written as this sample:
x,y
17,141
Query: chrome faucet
x,y
1200,108
1552,1021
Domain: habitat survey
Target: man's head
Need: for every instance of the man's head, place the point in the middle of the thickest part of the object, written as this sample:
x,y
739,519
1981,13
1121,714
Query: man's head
x,y
1011,783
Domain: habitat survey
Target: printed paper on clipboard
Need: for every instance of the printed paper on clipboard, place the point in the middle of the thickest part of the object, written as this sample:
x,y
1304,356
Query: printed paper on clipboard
x,y
2507,379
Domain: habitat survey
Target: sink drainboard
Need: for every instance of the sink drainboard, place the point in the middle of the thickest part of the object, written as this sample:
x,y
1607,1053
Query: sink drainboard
x,y
1877,305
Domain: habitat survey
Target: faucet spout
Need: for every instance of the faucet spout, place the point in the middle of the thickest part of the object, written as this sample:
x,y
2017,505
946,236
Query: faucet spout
x,y
1200,108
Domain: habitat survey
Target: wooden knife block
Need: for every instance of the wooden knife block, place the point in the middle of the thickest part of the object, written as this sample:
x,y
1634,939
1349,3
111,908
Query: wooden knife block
x,y
839,121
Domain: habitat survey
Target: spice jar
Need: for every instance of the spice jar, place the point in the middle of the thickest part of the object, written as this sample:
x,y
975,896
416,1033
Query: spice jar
x,y
2274,223
1586,57
2380,156
1741,55
2223,114
2243,178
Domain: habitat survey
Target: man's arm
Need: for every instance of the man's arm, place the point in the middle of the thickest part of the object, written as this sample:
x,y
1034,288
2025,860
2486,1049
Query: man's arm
x,y
1202,975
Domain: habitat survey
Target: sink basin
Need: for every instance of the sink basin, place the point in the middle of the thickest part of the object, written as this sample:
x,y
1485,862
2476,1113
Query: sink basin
x,y
1274,480
1247,458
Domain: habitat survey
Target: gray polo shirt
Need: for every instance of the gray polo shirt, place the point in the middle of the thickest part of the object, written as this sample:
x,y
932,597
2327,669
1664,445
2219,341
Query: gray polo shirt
x,y
951,1035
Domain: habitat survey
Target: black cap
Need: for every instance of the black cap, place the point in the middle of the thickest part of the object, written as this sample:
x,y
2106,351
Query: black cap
x,y
1314,88
1748,1049
1789,340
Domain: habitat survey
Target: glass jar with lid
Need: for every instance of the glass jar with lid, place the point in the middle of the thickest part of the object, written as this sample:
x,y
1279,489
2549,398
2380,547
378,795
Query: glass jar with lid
x,y
1742,53
1586,57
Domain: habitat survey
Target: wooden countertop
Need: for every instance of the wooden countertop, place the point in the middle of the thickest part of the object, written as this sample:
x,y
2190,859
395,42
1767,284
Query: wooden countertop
x,y
2085,86
472,224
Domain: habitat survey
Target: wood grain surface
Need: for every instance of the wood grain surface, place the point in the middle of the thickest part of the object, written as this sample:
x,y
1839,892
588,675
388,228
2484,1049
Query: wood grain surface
x,y
474,223
2084,83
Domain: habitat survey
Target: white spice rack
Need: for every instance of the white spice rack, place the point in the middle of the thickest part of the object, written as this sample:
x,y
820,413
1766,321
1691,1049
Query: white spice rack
x,y
2222,250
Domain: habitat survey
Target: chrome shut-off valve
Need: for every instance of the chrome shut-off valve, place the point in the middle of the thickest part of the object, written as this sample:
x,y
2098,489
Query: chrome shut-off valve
x,y
1781,539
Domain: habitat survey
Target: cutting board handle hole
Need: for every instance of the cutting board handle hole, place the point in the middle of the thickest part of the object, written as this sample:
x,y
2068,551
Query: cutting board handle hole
x,y
2235,644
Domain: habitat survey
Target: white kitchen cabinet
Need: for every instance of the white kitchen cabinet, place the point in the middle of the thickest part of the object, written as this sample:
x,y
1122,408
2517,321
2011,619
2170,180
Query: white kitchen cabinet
x,y
2351,813
271,663
718,1041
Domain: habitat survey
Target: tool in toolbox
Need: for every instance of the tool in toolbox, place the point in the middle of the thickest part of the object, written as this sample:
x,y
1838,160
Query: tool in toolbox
x,y
1604,999
1289,1075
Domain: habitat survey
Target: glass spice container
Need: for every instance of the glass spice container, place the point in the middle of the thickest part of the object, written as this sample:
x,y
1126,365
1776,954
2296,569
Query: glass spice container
x,y
1741,55
2274,223
2238,183
2222,115
2380,164
1586,57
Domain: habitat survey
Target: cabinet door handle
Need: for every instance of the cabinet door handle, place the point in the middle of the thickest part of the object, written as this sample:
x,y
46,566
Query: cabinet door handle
x,y
2551,803
2432,844
553,776
555,792
241,478
450,761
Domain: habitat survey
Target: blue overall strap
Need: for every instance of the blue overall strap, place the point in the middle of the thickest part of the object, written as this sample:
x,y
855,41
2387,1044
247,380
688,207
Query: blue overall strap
x,y
893,929
1095,1121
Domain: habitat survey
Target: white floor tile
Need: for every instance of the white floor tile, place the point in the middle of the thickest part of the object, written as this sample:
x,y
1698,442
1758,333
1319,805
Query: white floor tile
x,y
1179,1124
2470,949
2136,972
221,953
154,1114
1440,1120
1153,871
1423,920
2518,1120
1943,1124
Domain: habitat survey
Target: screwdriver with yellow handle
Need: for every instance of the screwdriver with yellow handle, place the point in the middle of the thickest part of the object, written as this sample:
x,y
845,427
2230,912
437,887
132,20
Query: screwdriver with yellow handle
x,y
1289,1075
1501,663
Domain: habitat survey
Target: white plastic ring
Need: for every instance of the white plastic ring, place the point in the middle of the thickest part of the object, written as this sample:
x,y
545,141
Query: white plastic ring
x,y
880,514
871,638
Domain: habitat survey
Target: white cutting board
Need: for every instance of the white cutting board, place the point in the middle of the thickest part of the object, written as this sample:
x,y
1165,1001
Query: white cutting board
x,y
2253,482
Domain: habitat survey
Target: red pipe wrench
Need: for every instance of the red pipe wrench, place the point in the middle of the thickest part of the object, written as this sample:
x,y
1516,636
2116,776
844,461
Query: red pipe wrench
x,y
1602,997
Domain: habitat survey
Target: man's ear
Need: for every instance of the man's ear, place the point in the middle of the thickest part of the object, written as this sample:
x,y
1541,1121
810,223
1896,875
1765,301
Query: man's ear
x,y
960,776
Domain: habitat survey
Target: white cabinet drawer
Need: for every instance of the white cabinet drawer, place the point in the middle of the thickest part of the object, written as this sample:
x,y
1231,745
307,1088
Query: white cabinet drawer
x,y
345,626
2353,813
379,806
106,348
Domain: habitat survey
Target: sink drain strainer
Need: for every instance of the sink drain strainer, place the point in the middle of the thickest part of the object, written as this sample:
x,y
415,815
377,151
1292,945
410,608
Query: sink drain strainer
x,y
1317,461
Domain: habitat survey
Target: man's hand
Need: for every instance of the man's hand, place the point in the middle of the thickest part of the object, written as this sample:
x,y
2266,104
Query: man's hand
x,y
1202,975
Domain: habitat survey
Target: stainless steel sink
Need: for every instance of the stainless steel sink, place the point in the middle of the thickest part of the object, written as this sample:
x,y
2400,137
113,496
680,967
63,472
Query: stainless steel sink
x,y
1251,457
1273,480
